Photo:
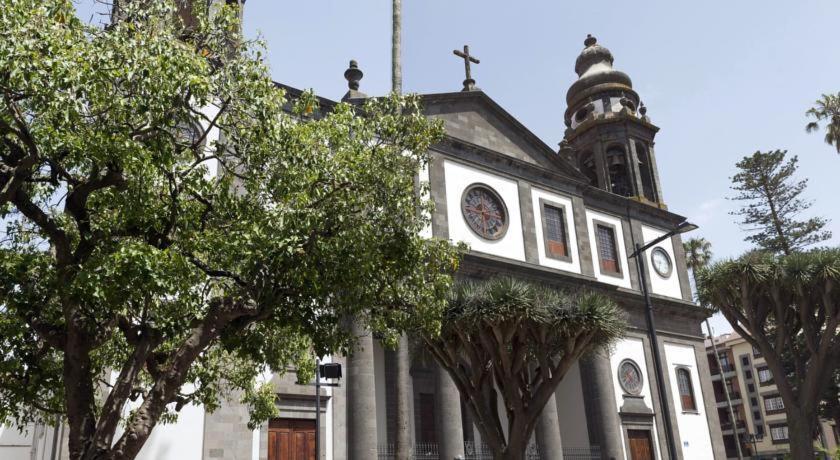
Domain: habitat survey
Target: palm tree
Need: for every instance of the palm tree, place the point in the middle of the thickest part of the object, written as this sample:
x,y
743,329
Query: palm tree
x,y
698,254
827,109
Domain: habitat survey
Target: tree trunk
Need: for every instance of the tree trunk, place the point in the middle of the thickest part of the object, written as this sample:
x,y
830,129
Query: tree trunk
x,y
511,453
801,434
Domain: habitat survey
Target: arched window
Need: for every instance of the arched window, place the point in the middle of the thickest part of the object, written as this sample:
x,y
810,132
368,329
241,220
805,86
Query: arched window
x,y
686,390
646,170
587,167
619,175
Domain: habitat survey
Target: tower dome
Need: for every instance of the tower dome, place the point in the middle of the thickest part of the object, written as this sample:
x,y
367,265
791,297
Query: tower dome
x,y
597,78
609,136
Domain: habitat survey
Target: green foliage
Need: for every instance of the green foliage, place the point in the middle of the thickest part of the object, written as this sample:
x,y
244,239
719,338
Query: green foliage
x,y
519,339
698,253
475,306
826,109
765,182
788,307
138,241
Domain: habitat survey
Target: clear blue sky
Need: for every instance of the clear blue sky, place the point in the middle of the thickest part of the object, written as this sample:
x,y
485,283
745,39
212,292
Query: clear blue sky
x,y
721,79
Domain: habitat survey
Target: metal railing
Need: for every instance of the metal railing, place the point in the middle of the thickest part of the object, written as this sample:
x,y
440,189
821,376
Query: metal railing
x,y
420,451
473,451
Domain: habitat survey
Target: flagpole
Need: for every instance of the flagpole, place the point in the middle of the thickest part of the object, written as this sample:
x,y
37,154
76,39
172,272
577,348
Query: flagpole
x,y
396,45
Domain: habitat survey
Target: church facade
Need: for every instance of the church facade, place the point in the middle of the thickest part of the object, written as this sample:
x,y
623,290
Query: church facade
x,y
568,218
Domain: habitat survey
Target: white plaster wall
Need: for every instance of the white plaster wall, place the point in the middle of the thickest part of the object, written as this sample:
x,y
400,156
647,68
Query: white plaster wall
x,y
212,137
426,232
536,195
14,444
693,426
658,285
571,411
458,178
591,217
632,348
182,440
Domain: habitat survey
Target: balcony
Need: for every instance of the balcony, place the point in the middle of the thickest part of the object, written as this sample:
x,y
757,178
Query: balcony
x,y
728,371
727,425
734,396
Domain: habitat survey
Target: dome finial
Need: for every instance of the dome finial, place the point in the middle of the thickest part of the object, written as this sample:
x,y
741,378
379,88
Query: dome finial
x,y
353,75
590,40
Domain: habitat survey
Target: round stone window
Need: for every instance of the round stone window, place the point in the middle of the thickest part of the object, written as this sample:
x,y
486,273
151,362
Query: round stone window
x,y
484,211
630,377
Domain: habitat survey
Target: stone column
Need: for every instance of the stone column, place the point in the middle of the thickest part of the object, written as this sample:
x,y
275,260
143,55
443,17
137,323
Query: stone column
x,y
451,439
361,398
602,419
404,395
548,432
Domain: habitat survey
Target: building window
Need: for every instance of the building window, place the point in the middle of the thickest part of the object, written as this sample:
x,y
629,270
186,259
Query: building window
x,y
607,249
754,402
757,414
587,167
759,430
764,376
779,433
686,390
745,360
751,388
773,404
554,231
748,374
619,175
646,170
725,365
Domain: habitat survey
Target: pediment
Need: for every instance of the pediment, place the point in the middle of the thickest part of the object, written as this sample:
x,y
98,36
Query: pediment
x,y
474,118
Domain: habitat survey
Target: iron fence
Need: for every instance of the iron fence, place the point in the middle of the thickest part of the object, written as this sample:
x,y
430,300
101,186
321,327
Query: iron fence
x,y
473,451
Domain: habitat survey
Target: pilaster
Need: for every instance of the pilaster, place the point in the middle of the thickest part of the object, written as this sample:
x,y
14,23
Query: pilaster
x,y
451,439
548,432
599,400
362,437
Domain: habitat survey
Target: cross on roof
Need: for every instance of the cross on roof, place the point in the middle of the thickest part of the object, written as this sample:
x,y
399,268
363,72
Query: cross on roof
x,y
469,83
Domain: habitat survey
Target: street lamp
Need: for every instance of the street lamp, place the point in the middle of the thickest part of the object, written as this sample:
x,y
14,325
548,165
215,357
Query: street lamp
x,y
327,371
683,227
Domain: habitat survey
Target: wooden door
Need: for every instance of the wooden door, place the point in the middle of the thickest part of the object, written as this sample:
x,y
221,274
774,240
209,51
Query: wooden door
x,y
641,447
291,439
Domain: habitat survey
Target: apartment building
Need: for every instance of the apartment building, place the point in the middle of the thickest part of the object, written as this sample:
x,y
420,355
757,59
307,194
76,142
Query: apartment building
x,y
760,423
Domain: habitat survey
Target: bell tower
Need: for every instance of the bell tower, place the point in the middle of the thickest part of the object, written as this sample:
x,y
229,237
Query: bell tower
x,y
608,132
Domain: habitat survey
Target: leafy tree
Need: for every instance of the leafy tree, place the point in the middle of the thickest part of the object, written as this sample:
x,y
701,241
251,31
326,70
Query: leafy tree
x,y
787,307
766,183
518,339
148,258
827,109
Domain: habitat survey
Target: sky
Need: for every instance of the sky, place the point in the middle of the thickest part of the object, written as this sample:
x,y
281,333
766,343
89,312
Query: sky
x,y
721,79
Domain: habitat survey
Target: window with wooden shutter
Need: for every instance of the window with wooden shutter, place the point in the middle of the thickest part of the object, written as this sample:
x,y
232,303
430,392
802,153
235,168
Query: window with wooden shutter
x,y
556,244
686,390
607,250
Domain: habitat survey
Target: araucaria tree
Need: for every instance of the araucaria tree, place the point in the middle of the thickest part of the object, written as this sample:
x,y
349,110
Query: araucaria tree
x,y
787,307
771,194
509,341
826,109
145,257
